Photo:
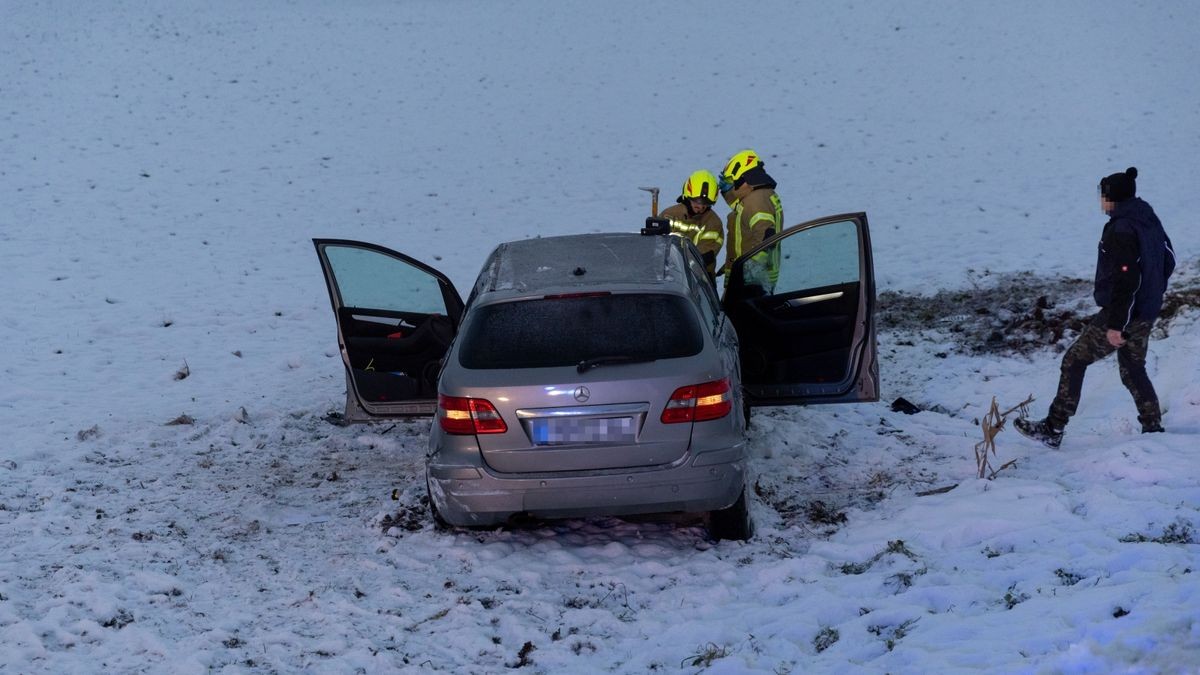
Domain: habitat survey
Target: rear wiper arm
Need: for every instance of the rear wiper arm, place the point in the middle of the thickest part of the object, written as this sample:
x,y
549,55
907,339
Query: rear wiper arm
x,y
587,364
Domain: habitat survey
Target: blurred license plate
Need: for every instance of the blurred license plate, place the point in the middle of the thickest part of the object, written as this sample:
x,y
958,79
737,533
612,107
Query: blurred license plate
x,y
563,430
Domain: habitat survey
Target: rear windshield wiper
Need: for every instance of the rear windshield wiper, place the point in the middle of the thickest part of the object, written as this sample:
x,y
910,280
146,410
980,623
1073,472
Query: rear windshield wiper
x,y
587,364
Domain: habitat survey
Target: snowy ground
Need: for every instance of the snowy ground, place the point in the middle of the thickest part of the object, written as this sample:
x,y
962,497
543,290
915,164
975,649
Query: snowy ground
x,y
164,167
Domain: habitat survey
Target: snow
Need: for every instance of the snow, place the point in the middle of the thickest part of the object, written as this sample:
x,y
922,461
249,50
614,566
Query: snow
x,y
166,164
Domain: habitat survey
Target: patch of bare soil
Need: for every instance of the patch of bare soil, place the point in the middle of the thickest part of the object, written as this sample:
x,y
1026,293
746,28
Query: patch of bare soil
x,y
1016,314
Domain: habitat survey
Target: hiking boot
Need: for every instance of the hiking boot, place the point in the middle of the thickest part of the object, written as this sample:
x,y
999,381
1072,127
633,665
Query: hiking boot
x,y
1039,431
1153,428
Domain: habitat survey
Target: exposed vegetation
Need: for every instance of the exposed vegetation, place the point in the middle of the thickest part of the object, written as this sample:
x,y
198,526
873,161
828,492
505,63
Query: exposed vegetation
x,y
1178,532
1017,313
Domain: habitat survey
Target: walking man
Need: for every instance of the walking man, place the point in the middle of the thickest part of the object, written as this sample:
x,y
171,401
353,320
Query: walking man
x,y
1135,260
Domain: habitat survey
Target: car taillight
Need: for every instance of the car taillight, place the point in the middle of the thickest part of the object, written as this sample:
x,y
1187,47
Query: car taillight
x,y
699,402
459,415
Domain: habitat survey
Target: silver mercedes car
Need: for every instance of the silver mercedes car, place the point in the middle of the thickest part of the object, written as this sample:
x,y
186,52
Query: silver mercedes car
x,y
603,374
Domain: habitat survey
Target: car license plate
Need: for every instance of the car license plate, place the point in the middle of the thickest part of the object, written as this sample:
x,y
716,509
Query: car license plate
x,y
570,430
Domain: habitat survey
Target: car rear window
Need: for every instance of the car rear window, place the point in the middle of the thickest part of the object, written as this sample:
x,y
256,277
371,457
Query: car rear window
x,y
564,331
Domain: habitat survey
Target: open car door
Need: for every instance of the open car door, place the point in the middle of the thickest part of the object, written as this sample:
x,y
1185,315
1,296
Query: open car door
x,y
803,304
396,317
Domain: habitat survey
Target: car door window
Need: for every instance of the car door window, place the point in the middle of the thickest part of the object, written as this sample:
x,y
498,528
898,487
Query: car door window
x,y
702,289
820,257
367,278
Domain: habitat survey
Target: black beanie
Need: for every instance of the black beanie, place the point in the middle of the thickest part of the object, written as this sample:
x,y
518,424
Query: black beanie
x,y
1120,186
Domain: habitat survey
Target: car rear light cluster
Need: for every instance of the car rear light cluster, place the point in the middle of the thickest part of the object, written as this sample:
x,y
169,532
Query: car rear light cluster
x,y
699,402
459,415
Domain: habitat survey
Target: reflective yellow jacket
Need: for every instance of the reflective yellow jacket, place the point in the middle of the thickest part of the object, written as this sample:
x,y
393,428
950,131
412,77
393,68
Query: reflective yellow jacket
x,y
748,221
705,231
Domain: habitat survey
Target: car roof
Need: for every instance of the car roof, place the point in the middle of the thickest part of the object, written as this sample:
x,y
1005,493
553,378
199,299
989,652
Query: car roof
x,y
582,261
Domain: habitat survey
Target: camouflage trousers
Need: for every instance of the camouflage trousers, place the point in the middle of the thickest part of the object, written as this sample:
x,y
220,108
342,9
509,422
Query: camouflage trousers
x,y
1091,346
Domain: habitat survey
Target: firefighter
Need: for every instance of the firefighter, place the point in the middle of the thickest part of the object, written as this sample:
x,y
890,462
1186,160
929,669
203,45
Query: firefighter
x,y
693,218
756,213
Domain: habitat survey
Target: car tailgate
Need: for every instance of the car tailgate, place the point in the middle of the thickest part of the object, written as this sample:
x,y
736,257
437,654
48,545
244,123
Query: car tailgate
x,y
586,424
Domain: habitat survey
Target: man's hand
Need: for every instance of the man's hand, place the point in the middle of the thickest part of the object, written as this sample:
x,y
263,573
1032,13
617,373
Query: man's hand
x,y
1115,338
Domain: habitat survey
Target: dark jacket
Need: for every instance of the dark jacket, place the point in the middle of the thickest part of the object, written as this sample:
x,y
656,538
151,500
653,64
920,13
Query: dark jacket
x,y
1134,261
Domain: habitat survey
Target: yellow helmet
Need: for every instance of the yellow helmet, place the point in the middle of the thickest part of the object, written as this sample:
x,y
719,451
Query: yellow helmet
x,y
739,164
700,184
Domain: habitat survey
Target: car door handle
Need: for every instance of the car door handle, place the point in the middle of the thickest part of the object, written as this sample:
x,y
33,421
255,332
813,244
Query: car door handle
x,y
809,299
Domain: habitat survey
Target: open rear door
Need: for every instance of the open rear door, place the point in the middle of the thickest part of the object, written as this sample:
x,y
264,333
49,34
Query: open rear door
x,y
396,317
806,329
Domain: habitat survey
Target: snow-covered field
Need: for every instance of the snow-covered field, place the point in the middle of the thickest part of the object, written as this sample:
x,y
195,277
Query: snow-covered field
x,y
163,167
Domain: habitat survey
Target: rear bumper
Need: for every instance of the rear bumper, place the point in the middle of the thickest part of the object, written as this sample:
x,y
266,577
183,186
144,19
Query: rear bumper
x,y
474,496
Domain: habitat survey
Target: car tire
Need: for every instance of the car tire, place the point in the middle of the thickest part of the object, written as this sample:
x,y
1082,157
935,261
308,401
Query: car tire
x,y
732,522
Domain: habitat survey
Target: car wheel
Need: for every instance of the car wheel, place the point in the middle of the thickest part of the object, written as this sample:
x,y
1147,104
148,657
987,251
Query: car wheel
x,y
746,411
732,522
